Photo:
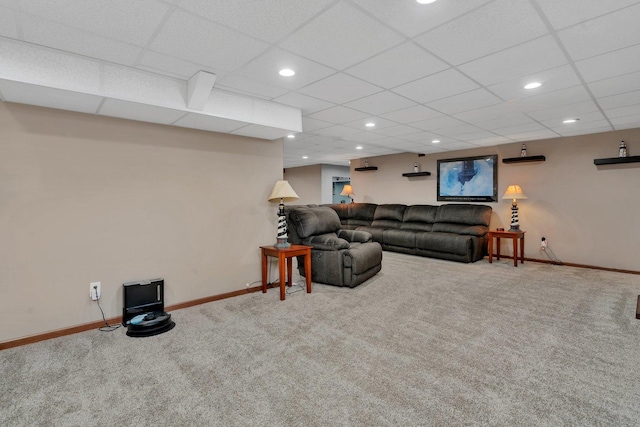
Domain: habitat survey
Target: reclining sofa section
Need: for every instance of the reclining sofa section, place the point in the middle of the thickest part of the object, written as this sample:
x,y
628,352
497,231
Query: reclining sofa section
x,y
456,232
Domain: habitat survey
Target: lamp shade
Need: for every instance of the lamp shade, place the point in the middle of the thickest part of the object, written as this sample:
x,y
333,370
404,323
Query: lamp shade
x,y
514,192
347,190
283,191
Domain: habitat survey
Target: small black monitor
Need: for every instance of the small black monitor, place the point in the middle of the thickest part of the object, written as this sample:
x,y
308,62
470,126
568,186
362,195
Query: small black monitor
x,y
140,297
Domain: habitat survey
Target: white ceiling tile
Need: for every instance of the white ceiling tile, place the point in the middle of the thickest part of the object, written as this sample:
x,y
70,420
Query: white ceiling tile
x,y
378,121
381,102
175,67
49,97
336,131
612,64
340,88
141,112
364,137
397,66
8,26
620,100
194,39
338,114
528,58
465,101
475,136
41,31
124,20
486,113
425,137
549,100
348,37
626,122
553,79
563,112
309,124
564,13
210,123
412,18
455,145
437,123
581,128
502,122
532,135
616,85
456,131
265,68
586,118
437,86
591,130
306,103
490,141
629,110
467,38
398,130
266,20
243,85
585,40
411,114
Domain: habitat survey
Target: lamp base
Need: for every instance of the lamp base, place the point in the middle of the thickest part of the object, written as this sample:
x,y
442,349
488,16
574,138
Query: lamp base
x,y
515,228
282,243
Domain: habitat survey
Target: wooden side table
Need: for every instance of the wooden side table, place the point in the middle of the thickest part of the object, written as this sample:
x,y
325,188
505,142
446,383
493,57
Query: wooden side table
x,y
514,235
286,255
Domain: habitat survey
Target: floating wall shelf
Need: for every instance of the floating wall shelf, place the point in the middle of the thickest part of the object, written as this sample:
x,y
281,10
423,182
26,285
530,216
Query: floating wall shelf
x,y
524,159
616,160
368,168
411,174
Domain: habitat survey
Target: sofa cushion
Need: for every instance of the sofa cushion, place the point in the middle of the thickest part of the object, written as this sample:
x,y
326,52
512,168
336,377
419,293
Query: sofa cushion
x,y
362,211
444,242
402,238
419,217
314,221
464,214
376,232
393,212
326,242
471,230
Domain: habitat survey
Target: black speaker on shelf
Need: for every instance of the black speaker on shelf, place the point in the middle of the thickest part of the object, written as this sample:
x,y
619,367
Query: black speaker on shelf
x,y
143,309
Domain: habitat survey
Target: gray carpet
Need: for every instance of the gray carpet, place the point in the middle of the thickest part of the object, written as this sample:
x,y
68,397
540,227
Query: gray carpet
x,y
426,342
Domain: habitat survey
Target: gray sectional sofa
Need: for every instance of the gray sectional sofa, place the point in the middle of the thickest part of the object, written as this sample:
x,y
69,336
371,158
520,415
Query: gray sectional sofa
x,y
456,232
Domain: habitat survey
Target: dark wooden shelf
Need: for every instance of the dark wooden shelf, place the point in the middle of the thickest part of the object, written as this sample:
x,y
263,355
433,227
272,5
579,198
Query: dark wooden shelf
x,y
368,168
616,160
524,159
410,174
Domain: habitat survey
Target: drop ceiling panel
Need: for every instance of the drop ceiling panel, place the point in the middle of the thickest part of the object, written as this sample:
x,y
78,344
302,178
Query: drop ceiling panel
x,y
175,67
411,18
241,84
265,69
340,88
612,64
397,66
490,141
486,113
471,100
339,115
554,79
621,100
446,83
49,97
563,112
44,32
564,13
549,100
586,118
379,122
425,137
501,122
309,124
581,128
531,57
364,137
532,135
437,123
336,131
348,37
411,114
616,85
307,104
398,130
468,38
381,102
585,40
194,39
267,20
629,110
141,112
8,26
124,20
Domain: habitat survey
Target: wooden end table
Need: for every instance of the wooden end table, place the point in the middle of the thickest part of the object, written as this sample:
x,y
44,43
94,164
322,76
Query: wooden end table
x,y
514,235
286,255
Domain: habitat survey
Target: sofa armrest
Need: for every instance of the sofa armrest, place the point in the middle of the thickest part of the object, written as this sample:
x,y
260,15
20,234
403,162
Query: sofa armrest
x,y
326,242
355,236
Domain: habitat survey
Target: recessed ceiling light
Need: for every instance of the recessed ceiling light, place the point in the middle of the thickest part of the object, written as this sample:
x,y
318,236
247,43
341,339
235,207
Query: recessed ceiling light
x,y
287,72
435,141
305,157
359,147
291,136
370,124
425,1
570,121
533,85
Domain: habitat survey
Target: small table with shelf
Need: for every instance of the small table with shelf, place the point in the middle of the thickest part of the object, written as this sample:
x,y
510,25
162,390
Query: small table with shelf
x,y
514,235
285,255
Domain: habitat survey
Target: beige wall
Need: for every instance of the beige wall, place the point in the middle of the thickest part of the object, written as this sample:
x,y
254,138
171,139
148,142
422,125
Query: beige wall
x,y
85,198
306,181
590,215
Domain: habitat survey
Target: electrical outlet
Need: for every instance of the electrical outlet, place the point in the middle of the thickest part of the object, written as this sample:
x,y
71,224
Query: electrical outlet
x,y
248,285
543,243
94,290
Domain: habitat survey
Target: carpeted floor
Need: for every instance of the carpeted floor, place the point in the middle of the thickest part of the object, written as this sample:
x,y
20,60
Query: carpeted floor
x,y
425,342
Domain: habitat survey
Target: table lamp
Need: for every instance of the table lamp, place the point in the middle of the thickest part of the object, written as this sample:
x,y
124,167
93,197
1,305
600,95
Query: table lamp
x,y
514,192
347,190
282,192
